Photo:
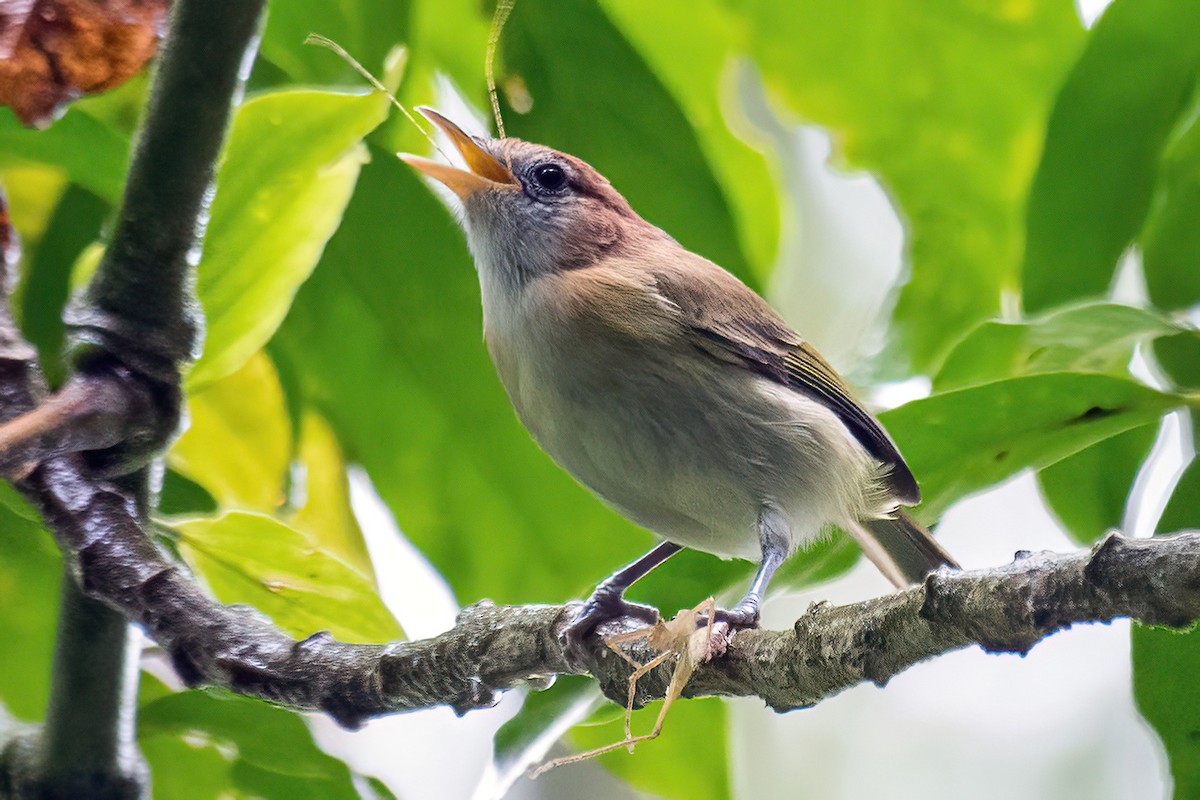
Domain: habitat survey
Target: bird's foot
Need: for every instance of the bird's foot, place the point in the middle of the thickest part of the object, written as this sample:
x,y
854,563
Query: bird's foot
x,y
741,617
600,608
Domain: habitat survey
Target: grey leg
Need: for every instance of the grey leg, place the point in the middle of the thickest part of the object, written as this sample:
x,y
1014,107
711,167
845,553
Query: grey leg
x,y
775,540
608,603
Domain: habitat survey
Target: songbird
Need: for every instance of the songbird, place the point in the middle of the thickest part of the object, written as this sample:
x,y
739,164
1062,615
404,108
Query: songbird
x,y
666,385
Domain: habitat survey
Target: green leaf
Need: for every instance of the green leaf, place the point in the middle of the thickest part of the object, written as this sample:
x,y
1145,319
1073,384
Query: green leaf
x,y
450,37
181,495
1089,491
1165,666
962,441
945,101
121,107
289,169
1093,338
685,580
621,119
379,788
45,279
30,574
517,742
1103,146
252,558
205,745
1179,356
819,561
688,761
326,515
1183,509
1171,239
367,29
238,443
93,154
1166,662
661,32
410,391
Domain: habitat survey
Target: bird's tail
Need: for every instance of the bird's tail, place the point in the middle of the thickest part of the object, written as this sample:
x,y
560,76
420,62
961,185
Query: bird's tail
x,y
900,547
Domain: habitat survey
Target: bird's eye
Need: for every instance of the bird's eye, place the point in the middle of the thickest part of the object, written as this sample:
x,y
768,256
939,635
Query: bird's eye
x,y
549,177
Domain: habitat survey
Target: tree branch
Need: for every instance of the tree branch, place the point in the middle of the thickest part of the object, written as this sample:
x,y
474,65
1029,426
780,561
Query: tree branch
x,y
138,321
1005,609
492,648
141,306
131,333
100,529
86,414
87,747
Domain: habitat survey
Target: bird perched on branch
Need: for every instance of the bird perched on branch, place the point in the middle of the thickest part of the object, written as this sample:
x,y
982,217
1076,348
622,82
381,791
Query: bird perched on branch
x,y
664,384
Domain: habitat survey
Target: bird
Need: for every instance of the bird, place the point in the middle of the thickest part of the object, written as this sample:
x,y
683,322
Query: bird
x,y
665,385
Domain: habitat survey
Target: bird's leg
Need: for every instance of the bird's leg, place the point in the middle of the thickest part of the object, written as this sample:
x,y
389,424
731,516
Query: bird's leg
x,y
776,543
608,602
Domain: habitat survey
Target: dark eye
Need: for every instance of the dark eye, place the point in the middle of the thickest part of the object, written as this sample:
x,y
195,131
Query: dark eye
x,y
549,177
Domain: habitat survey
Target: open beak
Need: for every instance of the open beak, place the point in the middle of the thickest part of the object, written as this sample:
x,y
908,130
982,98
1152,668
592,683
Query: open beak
x,y
485,172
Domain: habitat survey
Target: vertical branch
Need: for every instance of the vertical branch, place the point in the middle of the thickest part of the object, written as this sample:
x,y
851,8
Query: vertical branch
x,y
141,306
88,746
132,331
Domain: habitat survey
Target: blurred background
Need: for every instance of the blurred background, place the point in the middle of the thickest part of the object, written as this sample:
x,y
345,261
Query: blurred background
x,y
910,185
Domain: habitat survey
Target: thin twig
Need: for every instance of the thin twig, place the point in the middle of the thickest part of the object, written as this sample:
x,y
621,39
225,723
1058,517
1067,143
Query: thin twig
x,y
86,414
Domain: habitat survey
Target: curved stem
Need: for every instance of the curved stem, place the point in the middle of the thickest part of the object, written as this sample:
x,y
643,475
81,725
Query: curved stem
x,y
85,414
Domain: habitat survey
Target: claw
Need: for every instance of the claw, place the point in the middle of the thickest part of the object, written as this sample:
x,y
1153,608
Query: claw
x,y
600,608
739,617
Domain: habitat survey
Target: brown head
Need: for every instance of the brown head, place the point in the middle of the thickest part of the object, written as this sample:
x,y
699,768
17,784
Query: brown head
x,y
529,209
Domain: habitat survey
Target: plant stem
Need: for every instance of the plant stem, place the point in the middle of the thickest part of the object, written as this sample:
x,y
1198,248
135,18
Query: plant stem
x,y
135,327
141,306
88,745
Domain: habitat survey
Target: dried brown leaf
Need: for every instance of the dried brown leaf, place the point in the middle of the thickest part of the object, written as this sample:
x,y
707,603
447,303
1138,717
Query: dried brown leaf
x,y
54,51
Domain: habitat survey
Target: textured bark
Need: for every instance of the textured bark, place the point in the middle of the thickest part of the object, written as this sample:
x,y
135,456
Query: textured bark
x,y
1005,609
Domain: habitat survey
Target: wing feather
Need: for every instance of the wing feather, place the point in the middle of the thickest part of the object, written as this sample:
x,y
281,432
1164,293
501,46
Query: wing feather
x,y
715,309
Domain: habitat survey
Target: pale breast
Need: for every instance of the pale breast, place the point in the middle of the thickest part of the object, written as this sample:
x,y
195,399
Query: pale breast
x,y
684,445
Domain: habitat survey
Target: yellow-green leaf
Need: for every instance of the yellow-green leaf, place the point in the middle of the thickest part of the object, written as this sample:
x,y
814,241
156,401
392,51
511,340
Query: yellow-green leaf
x,y
289,169
946,102
253,558
325,515
238,441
